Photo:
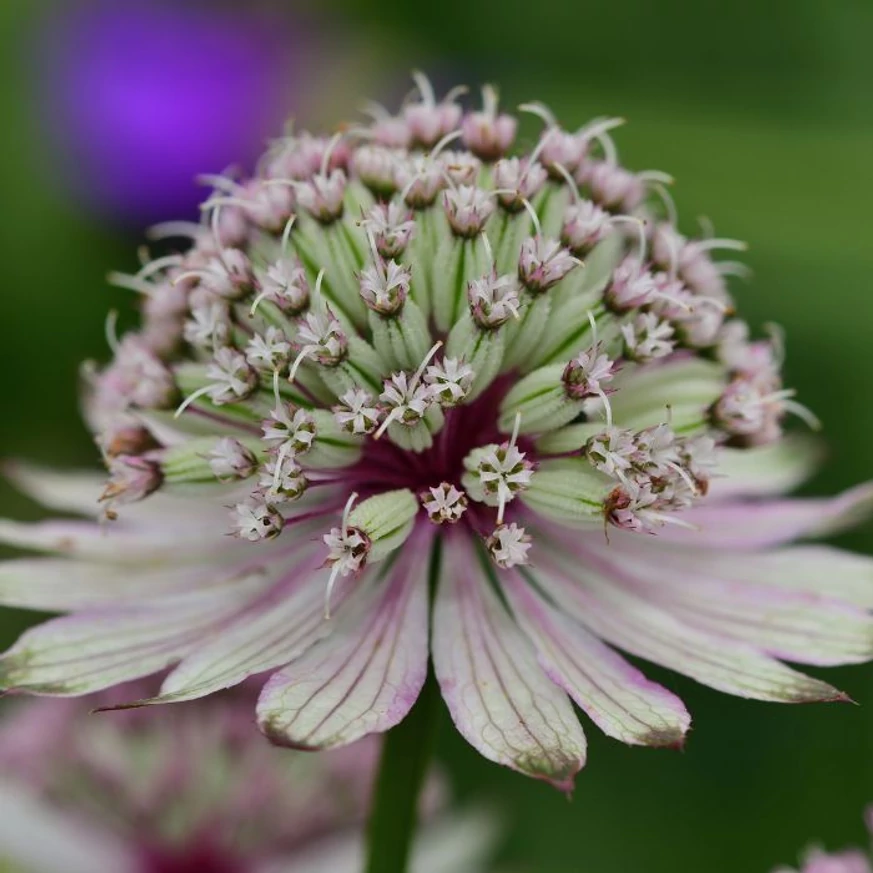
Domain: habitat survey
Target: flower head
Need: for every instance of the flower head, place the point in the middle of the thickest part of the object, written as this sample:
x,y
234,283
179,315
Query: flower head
x,y
188,791
502,359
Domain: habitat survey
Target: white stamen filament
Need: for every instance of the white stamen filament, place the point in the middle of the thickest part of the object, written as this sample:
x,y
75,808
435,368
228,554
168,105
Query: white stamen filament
x,y
777,338
166,229
110,328
503,490
408,187
413,384
305,352
666,518
311,349
276,388
641,228
425,89
214,224
222,183
286,233
606,405
227,200
574,188
190,274
448,138
280,459
734,268
454,93
158,264
190,399
257,302
374,110
593,322
535,154
535,219
316,292
736,245
328,152
598,129
391,417
131,283
486,243
541,111
683,473
669,203
804,413
331,582
656,176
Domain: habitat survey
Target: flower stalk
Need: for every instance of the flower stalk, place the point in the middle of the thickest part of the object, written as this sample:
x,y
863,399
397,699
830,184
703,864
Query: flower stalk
x,y
406,754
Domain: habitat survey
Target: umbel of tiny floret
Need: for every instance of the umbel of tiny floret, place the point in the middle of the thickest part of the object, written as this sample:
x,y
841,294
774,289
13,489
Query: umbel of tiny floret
x,y
417,362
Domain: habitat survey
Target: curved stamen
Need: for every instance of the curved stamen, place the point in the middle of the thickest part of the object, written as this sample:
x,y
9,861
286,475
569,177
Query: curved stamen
x,y
276,395
734,268
110,330
374,110
131,283
448,138
669,204
334,574
736,245
535,219
425,89
606,405
489,252
159,264
286,234
280,460
656,176
574,188
541,111
684,475
503,489
328,152
166,229
196,395
598,130
777,338
413,383
641,227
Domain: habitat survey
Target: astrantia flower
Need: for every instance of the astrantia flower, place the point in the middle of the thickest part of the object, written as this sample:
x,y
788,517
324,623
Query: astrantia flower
x,y
191,791
468,380
816,860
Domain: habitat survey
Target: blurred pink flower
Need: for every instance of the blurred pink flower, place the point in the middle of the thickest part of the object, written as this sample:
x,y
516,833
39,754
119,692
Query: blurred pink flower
x,y
817,860
189,790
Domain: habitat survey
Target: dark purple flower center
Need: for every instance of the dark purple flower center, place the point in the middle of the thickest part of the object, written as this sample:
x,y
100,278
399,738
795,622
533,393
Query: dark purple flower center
x,y
205,857
385,466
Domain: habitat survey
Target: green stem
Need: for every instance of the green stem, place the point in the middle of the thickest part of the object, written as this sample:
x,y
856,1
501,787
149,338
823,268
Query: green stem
x,y
406,753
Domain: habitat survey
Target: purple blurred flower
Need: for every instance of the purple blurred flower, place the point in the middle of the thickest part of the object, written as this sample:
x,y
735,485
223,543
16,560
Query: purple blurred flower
x,y
142,96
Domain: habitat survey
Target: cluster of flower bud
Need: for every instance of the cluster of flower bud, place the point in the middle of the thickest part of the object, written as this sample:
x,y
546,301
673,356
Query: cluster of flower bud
x,y
371,289
657,473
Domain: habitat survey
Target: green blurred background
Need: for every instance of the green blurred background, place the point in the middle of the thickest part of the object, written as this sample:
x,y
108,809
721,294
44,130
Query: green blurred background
x,y
763,113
